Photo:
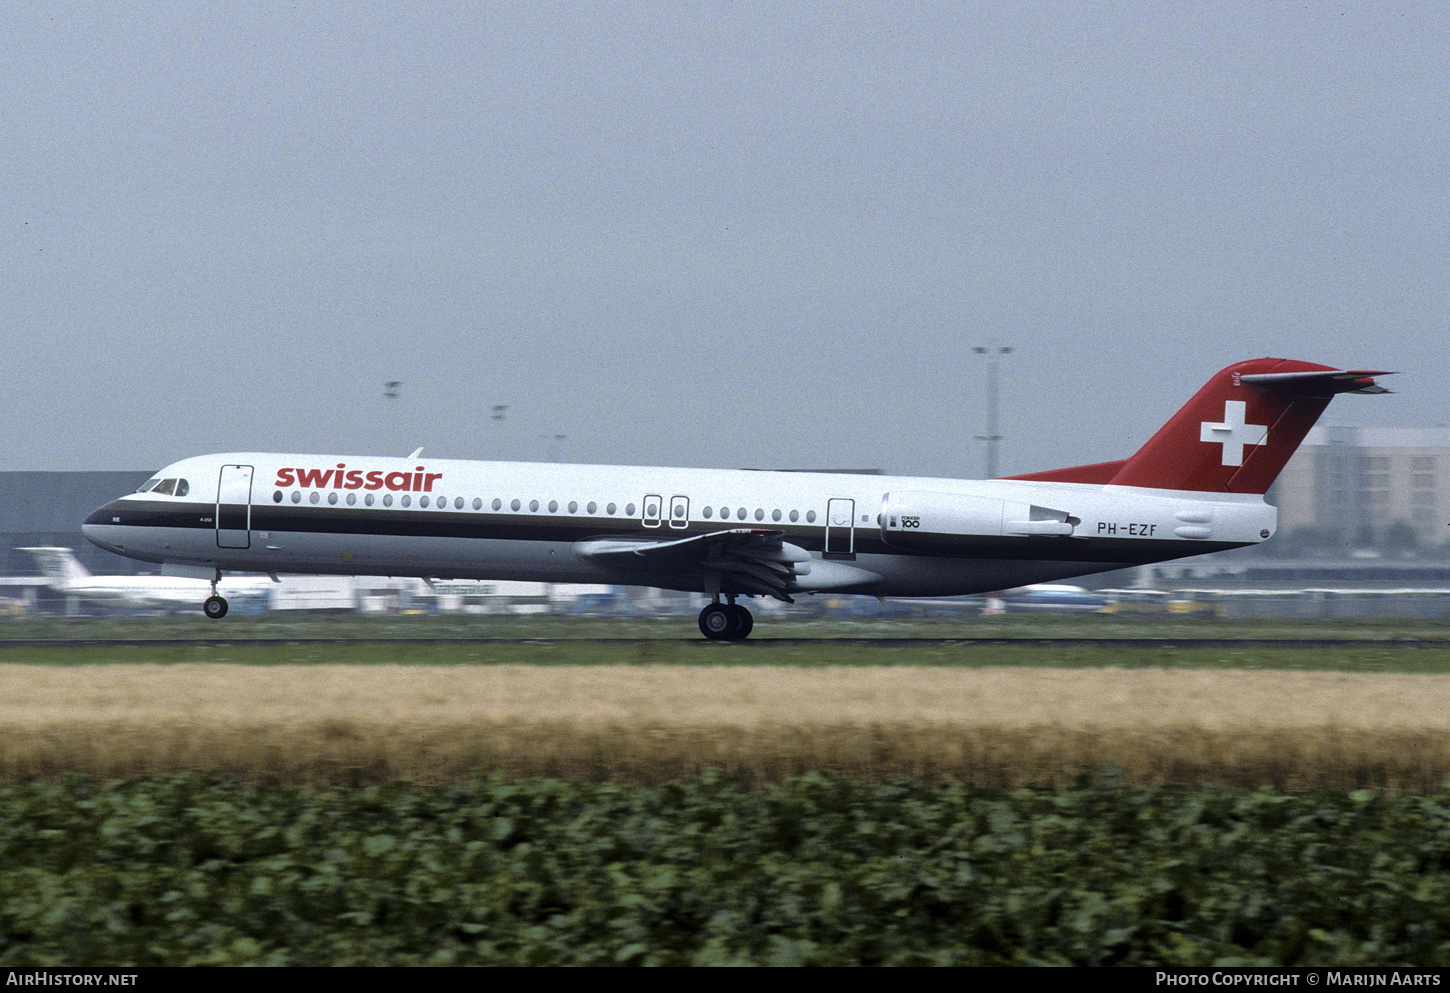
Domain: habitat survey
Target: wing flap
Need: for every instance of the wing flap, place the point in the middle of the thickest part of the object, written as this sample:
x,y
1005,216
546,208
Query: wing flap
x,y
738,560
750,561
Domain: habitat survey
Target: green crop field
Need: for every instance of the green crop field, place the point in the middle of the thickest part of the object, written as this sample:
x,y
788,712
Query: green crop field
x,y
820,871
329,791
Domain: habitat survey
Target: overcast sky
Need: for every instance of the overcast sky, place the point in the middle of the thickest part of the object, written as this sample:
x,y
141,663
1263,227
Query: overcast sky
x,y
719,234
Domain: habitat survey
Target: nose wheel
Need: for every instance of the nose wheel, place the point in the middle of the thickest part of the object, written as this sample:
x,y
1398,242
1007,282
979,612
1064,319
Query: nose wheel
x,y
725,622
215,606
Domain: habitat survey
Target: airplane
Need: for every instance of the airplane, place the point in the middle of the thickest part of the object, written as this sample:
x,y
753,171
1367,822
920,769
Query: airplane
x,y
1052,598
1196,486
65,574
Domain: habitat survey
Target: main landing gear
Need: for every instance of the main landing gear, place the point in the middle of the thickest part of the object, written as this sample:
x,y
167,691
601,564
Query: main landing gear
x,y
725,622
215,606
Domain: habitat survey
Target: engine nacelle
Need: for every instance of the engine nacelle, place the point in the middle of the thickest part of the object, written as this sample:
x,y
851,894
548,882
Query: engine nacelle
x,y
927,521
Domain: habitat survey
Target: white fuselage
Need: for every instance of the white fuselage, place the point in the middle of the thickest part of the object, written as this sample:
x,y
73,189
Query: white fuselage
x,y
435,518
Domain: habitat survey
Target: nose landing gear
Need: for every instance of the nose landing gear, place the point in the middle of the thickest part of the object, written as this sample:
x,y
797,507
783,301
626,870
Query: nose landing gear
x,y
725,622
215,606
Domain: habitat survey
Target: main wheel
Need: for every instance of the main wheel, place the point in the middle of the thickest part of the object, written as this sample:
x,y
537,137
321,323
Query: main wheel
x,y
718,622
215,607
744,623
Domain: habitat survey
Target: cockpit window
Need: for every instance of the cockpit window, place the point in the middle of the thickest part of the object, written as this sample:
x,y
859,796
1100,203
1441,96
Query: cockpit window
x,y
168,487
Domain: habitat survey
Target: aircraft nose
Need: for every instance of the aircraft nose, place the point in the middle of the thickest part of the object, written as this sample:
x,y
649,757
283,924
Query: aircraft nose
x,y
99,525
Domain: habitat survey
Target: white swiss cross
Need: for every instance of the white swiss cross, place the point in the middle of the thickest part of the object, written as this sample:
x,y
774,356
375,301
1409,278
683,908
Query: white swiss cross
x,y
1233,433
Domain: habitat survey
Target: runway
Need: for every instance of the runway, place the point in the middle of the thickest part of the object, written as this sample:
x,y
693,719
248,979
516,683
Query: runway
x,y
695,642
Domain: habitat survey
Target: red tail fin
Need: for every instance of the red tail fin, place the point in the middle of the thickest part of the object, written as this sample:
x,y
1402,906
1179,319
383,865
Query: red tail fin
x,y
1236,434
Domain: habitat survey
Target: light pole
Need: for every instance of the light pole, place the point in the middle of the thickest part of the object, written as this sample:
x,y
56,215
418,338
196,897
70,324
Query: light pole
x,y
552,443
392,389
994,354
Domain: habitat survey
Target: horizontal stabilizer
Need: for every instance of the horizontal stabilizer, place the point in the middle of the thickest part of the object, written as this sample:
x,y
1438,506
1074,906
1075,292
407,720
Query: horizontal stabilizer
x,y
1324,383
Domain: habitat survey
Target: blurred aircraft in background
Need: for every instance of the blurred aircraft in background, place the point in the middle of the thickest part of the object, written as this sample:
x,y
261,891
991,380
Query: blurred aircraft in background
x,y
65,574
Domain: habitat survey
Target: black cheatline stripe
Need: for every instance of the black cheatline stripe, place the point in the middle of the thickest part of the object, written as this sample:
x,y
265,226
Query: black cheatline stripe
x,y
418,523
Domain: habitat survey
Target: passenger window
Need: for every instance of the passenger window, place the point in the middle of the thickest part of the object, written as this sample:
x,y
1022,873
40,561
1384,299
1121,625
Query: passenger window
x,y
573,507
352,499
458,503
387,499
593,507
708,512
296,496
407,500
276,496
368,499
553,506
609,509
332,498
477,503
313,497
533,506
422,501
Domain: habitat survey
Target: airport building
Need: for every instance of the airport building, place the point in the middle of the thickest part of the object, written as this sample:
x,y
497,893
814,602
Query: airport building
x,y
1384,488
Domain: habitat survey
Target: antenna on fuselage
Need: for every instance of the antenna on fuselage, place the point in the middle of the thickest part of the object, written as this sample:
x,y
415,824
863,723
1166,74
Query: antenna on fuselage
x,y
416,453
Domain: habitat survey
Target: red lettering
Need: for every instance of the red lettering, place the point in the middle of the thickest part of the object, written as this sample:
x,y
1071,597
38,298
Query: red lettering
x,y
356,479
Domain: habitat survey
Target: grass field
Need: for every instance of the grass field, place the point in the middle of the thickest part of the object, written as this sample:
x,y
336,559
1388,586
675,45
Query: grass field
x,y
193,626
660,706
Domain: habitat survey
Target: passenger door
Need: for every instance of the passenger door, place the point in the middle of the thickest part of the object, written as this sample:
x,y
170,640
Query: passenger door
x,y
234,507
840,528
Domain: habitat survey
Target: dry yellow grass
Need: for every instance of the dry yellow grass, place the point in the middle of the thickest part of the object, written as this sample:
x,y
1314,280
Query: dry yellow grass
x,y
325,724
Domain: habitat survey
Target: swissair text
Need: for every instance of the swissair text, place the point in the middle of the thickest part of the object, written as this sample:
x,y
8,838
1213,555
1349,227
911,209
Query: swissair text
x,y
343,478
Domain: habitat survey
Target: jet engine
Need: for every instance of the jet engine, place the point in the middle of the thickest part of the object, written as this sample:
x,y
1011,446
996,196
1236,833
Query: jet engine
x,y
927,521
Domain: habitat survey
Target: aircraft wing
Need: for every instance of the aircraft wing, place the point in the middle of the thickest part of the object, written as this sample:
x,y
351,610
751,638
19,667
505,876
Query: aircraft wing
x,y
745,560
